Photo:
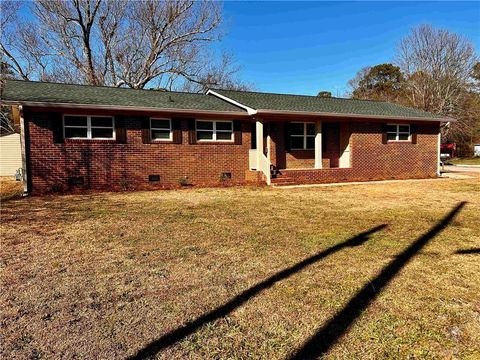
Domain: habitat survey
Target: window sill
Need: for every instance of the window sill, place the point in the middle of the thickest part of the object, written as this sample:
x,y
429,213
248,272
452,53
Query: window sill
x,y
213,142
399,142
112,141
160,142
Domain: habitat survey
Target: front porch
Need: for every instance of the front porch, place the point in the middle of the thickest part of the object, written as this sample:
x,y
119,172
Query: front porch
x,y
294,152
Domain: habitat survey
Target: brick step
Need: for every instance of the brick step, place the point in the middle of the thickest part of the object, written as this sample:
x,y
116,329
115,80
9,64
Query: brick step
x,y
283,181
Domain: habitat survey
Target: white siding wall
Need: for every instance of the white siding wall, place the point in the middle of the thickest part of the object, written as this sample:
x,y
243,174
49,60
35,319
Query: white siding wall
x,y
10,154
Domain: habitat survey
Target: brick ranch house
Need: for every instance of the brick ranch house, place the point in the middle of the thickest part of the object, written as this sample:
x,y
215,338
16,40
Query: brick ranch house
x,y
77,137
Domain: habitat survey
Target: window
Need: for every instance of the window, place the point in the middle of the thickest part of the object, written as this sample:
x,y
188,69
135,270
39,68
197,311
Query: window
x,y
88,127
302,136
161,129
214,130
398,132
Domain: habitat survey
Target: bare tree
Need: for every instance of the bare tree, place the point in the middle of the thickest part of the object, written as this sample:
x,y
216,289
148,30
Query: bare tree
x,y
164,44
437,65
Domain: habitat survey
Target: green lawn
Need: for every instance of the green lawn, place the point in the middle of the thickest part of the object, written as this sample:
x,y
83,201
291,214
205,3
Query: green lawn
x,y
363,271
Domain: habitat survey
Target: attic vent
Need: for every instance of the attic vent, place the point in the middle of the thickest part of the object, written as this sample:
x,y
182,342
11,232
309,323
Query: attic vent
x,y
225,176
153,178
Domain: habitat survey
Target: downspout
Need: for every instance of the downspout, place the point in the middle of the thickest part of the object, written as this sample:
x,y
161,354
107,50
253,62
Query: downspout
x,y
23,140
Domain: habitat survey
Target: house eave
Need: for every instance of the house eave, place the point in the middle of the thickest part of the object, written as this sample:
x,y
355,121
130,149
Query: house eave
x,y
124,108
264,112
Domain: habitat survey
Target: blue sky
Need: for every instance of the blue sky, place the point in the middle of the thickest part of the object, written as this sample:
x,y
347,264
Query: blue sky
x,y
304,47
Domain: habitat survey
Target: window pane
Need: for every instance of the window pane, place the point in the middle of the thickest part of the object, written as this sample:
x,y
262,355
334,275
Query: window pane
x,y
102,121
161,124
403,136
310,129
224,125
296,128
296,142
205,125
224,136
75,121
161,134
102,133
204,135
75,132
404,128
311,142
391,136
392,128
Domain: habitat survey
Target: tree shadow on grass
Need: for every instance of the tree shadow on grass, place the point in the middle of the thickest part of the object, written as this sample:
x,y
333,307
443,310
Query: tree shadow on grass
x,y
468,251
329,333
225,309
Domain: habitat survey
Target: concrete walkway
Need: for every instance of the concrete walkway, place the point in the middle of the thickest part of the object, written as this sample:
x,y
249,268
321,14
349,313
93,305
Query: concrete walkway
x,y
463,168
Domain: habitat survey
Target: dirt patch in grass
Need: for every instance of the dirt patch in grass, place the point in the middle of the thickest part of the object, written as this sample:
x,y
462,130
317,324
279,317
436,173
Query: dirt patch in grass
x,y
242,272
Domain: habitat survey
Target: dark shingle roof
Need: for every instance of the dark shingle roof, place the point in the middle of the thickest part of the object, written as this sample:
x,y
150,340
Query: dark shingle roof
x,y
315,104
29,91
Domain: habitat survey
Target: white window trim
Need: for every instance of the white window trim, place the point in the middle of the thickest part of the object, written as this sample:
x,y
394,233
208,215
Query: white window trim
x,y
89,127
398,132
170,137
214,131
304,136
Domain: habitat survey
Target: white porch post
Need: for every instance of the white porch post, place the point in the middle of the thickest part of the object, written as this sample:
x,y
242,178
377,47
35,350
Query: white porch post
x,y
259,141
318,145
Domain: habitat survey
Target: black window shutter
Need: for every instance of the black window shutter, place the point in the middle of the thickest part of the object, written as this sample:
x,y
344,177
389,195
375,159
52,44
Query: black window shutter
x,y
120,129
192,136
177,131
413,133
384,134
237,132
145,129
287,136
57,127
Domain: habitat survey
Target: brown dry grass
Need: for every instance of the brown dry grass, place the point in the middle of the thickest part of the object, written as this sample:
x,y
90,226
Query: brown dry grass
x,y
9,188
100,276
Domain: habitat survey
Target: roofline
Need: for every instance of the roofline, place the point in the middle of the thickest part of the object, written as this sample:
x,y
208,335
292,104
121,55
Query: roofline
x,y
349,115
249,110
252,111
116,107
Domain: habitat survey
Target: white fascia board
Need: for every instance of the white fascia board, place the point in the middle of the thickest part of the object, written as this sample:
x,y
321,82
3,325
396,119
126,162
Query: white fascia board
x,y
249,110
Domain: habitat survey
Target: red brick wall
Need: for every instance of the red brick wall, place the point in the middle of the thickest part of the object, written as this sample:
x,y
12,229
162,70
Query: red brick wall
x,y
106,164
305,159
110,165
372,160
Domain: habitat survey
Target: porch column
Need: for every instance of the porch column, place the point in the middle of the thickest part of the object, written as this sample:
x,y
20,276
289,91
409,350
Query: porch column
x,y
318,145
259,141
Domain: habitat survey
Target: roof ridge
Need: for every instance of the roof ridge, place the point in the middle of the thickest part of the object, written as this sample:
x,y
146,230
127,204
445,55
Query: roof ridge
x,y
101,86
